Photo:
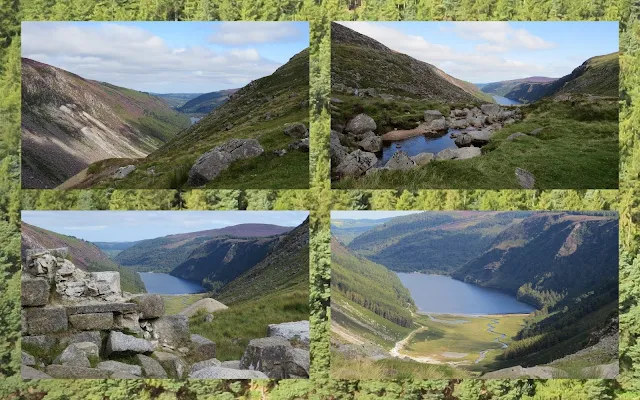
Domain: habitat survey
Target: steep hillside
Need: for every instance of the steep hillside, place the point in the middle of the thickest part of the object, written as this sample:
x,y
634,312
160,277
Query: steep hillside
x,y
218,261
205,103
432,242
345,230
370,285
539,256
259,110
69,122
360,62
597,76
166,253
285,267
112,249
85,255
503,88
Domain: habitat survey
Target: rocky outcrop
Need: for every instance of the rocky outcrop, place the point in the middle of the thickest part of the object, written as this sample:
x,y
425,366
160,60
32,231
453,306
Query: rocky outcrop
x,y
296,131
360,124
356,164
400,160
271,355
538,372
525,178
298,331
209,165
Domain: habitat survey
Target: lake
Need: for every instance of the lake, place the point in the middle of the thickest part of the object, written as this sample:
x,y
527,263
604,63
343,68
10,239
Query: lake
x,y
418,144
444,295
161,283
195,119
505,102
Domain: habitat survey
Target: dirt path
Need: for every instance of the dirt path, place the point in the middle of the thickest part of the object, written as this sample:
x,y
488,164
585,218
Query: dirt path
x,y
397,349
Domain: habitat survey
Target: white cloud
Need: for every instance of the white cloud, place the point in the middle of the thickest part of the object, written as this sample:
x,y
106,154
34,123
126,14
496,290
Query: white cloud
x,y
135,58
500,36
241,33
482,65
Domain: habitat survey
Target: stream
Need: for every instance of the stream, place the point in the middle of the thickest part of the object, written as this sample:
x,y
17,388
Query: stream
x,y
491,329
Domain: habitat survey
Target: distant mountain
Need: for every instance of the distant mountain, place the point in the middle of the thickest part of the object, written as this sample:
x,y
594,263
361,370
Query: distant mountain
x,y
112,249
69,122
358,61
432,242
207,102
84,255
596,76
163,254
503,88
285,267
345,230
369,285
176,100
259,110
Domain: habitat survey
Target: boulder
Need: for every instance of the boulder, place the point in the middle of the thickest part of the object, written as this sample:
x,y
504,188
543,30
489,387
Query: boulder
x,y
208,304
234,364
226,373
463,141
46,320
298,331
371,144
467,152
118,342
432,115
525,178
203,348
423,158
172,330
480,138
400,160
213,362
74,372
437,125
210,164
116,366
477,122
208,318
490,109
446,154
356,163
536,131
127,322
360,124
40,343
73,357
279,152
336,137
123,172
89,349
107,284
93,321
27,372
301,145
296,131
509,121
151,367
269,355
516,135
28,359
175,366
298,365
338,153
35,291
123,375
458,123
149,305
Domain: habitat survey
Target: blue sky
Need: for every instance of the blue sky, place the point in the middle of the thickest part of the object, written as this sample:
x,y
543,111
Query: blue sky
x,y
369,214
166,57
482,52
125,226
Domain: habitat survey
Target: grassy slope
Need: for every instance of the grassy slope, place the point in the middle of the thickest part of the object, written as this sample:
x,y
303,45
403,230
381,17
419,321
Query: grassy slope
x,y
207,102
284,94
578,149
84,255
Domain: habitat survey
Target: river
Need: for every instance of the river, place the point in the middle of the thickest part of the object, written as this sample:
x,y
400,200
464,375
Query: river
x,y
161,283
418,144
444,295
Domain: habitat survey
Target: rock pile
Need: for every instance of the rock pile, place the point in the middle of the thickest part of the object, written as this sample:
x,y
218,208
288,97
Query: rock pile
x,y
78,324
209,165
355,147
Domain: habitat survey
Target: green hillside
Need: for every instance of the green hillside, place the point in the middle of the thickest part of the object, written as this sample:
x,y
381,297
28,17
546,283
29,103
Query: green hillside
x,y
260,110
345,230
207,102
370,285
85,255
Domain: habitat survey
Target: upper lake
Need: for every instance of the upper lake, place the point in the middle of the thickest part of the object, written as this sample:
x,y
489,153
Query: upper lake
x,y
504,101
440,294
161,283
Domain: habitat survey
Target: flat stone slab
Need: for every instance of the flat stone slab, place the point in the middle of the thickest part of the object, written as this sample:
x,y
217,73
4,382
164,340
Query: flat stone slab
x,y
35,292
92,321
227,373
72,372
116,366
298,330
205,364
203,348
118,342
101,308
46,320
151,367
149,305
27,372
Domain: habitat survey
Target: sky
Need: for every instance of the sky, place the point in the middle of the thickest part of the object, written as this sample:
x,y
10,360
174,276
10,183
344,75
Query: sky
x,y
128,226
483,52
166,57
369,214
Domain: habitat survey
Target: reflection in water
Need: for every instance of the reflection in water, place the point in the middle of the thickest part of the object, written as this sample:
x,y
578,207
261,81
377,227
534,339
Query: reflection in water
x,y
505,102
161,283
418,144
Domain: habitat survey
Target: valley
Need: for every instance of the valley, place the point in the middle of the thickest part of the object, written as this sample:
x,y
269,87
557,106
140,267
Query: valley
x,y
402,123
540,301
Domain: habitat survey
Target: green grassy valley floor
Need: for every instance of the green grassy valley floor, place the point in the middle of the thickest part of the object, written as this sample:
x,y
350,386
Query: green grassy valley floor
x,y
577,149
